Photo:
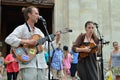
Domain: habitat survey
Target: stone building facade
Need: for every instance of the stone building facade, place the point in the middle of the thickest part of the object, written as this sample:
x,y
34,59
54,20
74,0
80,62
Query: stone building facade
x,y
74,14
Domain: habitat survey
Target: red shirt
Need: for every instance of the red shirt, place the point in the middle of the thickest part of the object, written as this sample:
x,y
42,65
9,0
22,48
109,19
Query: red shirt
x,y
13,66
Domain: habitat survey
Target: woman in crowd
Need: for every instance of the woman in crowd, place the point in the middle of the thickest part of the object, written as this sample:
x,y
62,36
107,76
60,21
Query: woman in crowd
x,y
114,62
12,66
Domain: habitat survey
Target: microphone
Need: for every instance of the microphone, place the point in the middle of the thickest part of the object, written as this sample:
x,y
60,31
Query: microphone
x,y
41,18
70,30
95,24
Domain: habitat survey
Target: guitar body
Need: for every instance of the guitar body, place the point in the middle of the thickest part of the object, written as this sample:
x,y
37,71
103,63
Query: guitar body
x,y
26,53
93,48
21,55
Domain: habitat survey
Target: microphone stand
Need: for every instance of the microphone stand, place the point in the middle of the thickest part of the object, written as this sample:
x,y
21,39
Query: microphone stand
x,y
101,42
49,41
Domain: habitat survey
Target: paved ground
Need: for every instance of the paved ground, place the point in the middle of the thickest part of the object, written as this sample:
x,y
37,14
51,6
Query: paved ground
x,y
5,77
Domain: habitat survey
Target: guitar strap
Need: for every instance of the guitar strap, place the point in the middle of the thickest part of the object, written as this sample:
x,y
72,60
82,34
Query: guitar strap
x,y
25,50
30,31
28,27
22,45
37,50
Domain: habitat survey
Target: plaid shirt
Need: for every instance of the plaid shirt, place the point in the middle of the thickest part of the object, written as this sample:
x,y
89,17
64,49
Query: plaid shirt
x,y
56,62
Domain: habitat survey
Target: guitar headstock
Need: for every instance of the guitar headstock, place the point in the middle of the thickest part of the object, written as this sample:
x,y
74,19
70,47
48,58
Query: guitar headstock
x,y
65,30
106,42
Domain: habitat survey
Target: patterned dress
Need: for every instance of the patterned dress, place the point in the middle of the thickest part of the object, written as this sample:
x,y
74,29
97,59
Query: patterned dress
x,y
116,63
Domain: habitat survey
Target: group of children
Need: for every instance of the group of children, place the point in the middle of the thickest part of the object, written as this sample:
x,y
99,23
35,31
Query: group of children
x,y
63,63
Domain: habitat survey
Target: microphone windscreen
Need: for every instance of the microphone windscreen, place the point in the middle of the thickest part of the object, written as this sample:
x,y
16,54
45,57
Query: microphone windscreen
x,y
40,17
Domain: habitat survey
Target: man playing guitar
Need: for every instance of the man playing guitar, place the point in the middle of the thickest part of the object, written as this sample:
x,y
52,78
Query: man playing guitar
x,y
22,36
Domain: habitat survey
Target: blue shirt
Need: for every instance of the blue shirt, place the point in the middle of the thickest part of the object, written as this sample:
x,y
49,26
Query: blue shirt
x,y
46,56
56,62
75,56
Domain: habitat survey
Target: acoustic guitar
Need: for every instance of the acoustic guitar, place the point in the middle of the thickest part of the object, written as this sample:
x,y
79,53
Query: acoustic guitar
x,y
25,53
92,46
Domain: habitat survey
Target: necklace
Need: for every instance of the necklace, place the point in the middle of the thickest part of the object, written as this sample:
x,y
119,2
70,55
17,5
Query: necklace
x,y
88,38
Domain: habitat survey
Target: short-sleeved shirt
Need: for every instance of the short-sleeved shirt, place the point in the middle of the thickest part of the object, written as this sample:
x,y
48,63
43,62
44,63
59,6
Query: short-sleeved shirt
x,y
75,56
56,62
13,66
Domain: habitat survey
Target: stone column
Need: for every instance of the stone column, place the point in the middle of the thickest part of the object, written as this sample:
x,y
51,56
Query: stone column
x,y
61,19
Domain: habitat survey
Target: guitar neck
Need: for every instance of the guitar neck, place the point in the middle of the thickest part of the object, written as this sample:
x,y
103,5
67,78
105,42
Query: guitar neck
x,y
65,31
42,40
52,36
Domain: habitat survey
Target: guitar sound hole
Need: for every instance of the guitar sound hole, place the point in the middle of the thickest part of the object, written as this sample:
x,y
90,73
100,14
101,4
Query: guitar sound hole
x,y
86,43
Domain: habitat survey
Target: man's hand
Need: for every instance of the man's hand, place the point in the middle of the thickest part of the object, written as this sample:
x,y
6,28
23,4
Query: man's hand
x,y
29,42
